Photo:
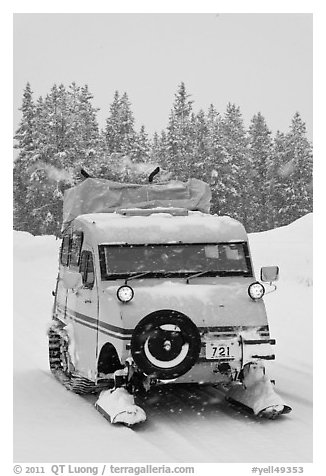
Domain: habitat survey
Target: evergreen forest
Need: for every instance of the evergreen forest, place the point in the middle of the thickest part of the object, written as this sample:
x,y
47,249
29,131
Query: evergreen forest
x,y
261,179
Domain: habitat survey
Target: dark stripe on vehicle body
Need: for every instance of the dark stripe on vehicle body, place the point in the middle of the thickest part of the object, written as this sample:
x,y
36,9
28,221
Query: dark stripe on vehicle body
x,y
110,327
95,325
115,336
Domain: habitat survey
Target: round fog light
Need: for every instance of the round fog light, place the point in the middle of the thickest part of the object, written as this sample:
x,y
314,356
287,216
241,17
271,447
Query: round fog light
x,y
256,290
125,293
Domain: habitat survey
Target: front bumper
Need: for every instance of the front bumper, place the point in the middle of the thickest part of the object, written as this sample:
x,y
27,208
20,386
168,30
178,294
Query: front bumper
x,y
225,351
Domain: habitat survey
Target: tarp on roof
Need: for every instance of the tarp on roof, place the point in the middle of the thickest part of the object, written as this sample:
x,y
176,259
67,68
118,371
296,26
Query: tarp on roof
x,y
101,195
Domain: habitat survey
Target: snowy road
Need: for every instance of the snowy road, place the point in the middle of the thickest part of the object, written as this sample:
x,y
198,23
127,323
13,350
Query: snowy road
x,y
185,424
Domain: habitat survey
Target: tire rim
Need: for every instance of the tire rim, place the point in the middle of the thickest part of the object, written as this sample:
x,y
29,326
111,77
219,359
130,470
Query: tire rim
x,y
169,363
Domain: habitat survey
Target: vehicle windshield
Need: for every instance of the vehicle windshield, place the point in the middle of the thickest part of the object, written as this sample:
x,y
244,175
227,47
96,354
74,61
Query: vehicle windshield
x,y
220,259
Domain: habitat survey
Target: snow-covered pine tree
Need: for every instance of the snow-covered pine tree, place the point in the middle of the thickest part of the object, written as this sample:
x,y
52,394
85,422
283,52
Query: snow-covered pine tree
x,y
180,135
66,137
296,173
234,184
119,131
25,133
86,132
276,198
159,155
213,130
155,148
198,160
122,142
260,151
25,142
214,163
112,129
44,195
127,130
103,167
141,148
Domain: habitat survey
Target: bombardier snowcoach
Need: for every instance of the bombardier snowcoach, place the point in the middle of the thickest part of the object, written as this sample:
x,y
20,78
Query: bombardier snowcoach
x,y
151,289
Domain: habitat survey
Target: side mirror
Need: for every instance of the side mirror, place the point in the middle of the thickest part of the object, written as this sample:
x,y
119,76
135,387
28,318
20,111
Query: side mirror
x,y
269,273
72,279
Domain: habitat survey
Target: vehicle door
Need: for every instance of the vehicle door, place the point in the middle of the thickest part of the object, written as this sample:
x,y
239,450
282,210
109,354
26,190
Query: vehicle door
x,y
61,292
83,306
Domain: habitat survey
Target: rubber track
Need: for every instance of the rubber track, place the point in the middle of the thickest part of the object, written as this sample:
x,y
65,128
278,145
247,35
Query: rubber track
x,y
58,345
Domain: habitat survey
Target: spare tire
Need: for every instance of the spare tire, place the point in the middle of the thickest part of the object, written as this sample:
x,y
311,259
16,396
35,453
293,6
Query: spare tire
x,y
165,344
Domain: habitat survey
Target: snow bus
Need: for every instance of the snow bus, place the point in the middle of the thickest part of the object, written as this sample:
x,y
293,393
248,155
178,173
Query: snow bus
x,y
151,289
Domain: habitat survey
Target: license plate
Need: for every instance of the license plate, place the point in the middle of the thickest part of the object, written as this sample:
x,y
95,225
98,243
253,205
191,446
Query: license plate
x,y
219,350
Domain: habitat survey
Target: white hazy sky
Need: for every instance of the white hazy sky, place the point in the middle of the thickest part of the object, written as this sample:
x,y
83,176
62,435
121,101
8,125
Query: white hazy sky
x,y
261,62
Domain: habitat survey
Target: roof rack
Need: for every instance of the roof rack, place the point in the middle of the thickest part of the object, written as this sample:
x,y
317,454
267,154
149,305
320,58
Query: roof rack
x,y
150,211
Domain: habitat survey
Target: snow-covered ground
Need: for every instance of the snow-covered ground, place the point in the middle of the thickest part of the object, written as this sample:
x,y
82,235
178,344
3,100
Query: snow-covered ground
x,y
186,424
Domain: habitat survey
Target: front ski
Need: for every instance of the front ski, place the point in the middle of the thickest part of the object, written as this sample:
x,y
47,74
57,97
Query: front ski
x,y
118,406
256,393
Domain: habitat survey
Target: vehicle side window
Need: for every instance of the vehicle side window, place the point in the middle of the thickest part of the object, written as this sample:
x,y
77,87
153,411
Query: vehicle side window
x,y
86,269
65,250
76,244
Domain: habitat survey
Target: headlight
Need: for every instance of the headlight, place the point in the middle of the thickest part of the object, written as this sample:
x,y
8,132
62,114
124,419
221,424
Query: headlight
x,y
125,293
256,291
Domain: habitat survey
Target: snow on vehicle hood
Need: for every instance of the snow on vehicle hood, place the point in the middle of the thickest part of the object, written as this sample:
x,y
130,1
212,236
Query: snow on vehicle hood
x,y
223,303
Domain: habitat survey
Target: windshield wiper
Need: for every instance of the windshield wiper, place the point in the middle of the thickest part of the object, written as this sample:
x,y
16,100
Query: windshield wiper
x,y
219,273
137,276
202,273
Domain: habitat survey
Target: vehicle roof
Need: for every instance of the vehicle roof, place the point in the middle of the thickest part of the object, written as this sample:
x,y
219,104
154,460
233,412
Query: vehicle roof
x,y
196,227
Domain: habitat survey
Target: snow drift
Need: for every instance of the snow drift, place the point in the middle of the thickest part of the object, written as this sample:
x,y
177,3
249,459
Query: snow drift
x,y
288,246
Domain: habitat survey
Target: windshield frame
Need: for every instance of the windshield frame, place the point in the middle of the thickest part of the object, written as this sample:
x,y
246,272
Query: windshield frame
x,y
173,274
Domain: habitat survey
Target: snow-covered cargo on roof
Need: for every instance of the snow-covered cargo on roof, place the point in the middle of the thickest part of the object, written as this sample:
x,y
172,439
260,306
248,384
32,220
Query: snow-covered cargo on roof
x,y
196,227
100,195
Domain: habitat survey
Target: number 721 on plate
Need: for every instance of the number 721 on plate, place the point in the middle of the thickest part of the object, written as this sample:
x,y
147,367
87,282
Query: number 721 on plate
x,y
217,350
